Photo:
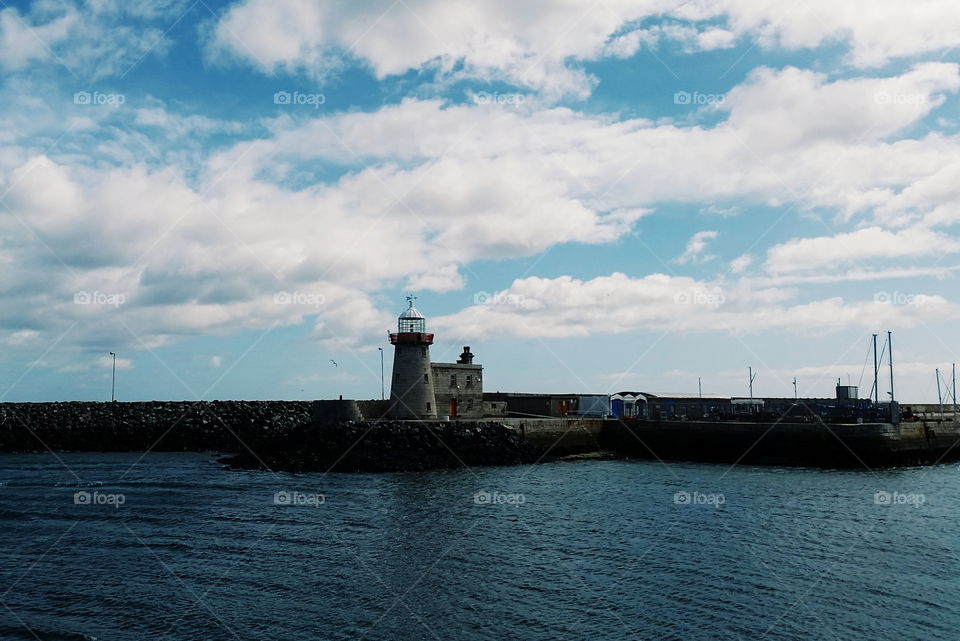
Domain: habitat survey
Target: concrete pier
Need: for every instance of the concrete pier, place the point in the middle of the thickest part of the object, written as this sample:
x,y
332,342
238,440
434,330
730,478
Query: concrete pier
x,y
559,436
814,444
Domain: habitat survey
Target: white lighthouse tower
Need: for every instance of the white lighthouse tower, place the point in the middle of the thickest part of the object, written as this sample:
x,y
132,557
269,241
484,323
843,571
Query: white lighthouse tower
x,y
411,391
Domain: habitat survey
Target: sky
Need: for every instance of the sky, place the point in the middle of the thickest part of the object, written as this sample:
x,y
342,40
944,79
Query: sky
x,y
235,198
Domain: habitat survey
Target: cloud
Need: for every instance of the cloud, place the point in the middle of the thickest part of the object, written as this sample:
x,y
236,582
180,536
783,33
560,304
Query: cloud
x,y
693,253
216,361
543,49
501,41
715,39
872,243
22,337
23,43
179,125
779,108
564,306
875,32
741,263
442,279
332,209
723,212
106,362
783,128
95,40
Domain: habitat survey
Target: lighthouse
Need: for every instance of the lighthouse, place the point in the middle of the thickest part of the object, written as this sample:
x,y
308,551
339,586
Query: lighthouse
x,y
411,390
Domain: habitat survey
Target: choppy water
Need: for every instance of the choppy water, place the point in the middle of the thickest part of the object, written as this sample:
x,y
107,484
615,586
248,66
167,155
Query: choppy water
x,y
598,550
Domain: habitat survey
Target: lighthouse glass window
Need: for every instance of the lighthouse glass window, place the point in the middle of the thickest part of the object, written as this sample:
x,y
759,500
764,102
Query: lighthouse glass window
x,y
415,325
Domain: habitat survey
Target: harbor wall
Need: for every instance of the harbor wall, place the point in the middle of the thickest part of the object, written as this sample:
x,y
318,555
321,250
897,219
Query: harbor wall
x,y
282,428
815,444
559,436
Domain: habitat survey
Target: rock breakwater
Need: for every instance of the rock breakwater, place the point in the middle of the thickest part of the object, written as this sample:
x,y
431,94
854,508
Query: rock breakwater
x,y
390,446
295,436
223,426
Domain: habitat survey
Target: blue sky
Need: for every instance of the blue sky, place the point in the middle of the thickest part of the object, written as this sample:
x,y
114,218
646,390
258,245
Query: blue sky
x,y
594,197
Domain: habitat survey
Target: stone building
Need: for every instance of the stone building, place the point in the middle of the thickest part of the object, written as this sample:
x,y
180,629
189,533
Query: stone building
x,y
458,387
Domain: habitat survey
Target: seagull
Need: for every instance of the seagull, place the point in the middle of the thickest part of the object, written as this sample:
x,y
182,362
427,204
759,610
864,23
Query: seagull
x,y
334,363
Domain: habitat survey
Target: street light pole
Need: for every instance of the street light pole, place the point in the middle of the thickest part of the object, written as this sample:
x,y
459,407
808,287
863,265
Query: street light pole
x,y
381,373
113,384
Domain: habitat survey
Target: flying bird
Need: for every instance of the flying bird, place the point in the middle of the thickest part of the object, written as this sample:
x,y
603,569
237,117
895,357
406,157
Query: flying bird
x,y
334,363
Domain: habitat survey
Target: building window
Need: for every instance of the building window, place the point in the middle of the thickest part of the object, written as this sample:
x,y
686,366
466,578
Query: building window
x,y
423,351
426,378
453,381
469,381
428,406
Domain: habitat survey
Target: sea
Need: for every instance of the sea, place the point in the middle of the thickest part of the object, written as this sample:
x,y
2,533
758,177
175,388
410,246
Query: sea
x,y
174,546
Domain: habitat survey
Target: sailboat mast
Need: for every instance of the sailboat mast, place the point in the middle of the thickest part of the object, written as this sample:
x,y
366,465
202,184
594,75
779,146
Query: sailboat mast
x,y
890,359
954,392
939,396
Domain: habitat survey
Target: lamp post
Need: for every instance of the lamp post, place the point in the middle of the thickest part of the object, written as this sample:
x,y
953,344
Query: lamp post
x,y
381,373
113,384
